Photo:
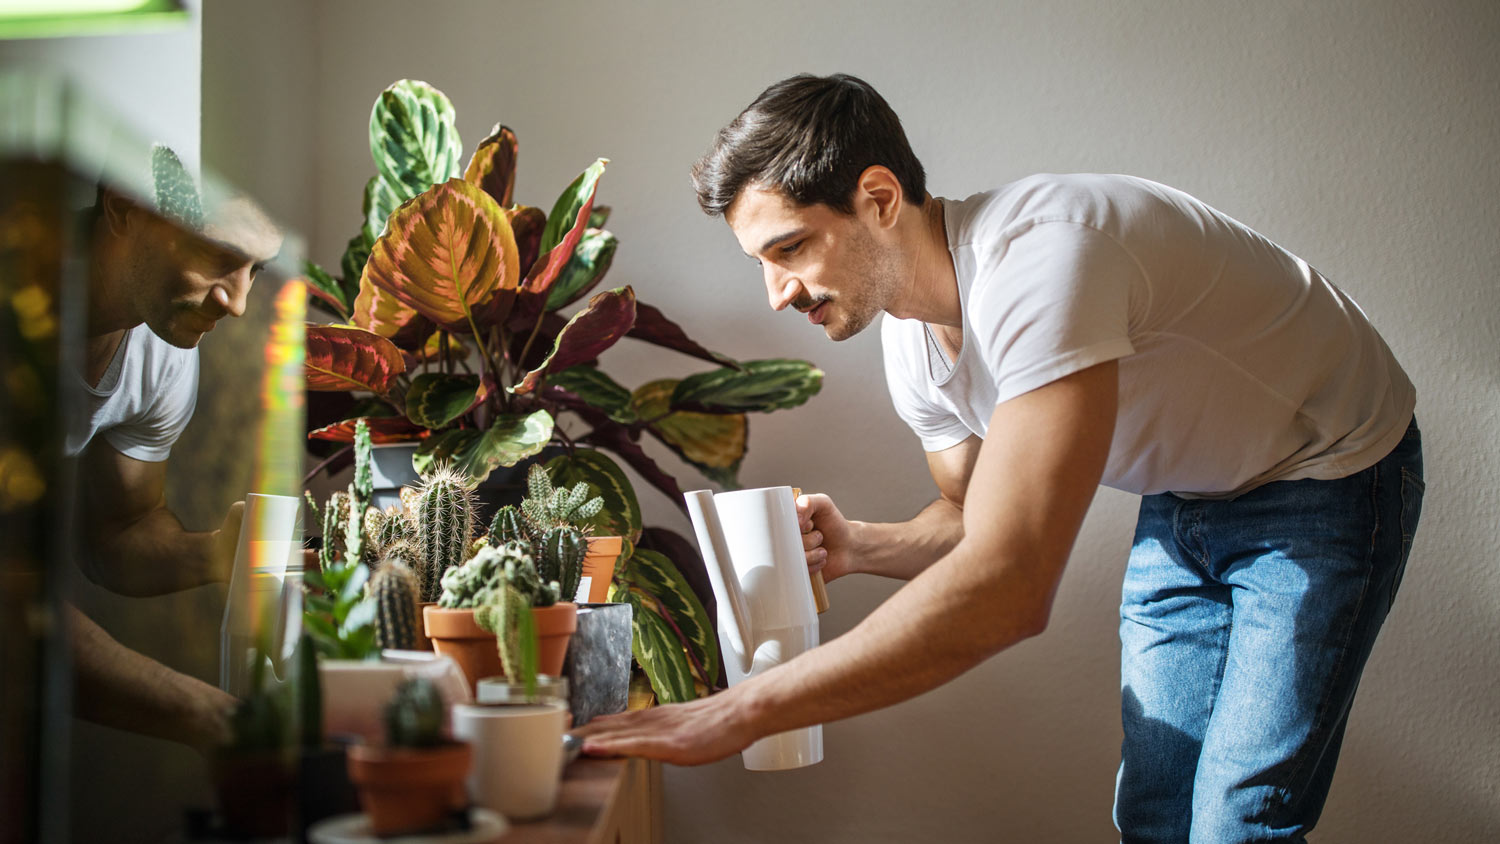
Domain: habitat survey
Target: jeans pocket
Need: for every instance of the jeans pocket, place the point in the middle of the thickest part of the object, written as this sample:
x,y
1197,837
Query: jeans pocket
x,y
1412,489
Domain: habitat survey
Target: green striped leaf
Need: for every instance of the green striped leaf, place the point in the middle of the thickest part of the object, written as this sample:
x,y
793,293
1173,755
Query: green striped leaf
x,y
511,438
651,573
439,449
621,515
596,388
584,271
762,385
326,288
413,137
435,399
658,651
714,443
381,201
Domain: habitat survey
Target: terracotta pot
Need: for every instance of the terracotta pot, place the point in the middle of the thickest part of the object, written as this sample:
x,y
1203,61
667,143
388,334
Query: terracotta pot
x,y
598,569
455,633
408,789
554,627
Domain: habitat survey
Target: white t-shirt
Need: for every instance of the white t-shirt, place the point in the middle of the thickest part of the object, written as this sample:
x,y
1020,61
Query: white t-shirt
x,y
1239,364
143,401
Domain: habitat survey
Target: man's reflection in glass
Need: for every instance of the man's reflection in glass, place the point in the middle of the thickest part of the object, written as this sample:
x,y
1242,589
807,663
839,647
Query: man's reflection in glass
x,y
156,287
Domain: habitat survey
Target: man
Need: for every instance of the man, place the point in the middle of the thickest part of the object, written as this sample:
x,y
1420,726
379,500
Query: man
x,y
1040,339
156,286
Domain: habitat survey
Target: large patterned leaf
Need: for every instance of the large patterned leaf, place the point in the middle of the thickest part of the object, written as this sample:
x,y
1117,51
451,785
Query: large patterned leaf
x,y
413,138
342,357
381,312
352,264
596,389
622,512
592,330
444,252
584,271
442,448
510,439
714,443
653,326
657,649
383,429
381,200
435,399
493,165
763,385
654,574
526,224
616,438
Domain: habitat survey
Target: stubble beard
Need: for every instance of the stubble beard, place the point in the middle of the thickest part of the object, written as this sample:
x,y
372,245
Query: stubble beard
x,y
874,282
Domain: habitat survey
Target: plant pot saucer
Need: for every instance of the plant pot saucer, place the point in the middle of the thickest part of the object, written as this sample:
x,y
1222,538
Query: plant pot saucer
x,y
484,826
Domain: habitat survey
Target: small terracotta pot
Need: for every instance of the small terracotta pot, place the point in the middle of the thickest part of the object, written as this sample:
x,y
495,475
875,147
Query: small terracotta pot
x,y
554,627
599,567
409,789
455,633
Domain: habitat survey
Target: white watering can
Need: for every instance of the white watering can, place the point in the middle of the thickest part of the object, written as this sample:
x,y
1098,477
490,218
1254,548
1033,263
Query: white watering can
x,y
766,608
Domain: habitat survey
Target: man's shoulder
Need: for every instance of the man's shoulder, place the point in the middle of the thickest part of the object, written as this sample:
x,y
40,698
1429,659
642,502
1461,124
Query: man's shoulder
x,y
991,218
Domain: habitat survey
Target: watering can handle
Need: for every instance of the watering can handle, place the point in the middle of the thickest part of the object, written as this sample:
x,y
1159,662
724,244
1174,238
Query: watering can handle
x,y
819,589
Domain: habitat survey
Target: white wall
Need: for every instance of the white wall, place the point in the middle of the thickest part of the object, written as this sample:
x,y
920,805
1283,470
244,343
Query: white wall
x,y
1361,135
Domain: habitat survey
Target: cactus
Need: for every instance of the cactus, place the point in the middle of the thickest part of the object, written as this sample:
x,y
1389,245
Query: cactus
x,y
335,520
445,525
546,507
360,490
414,715
560,558
515,633
393,528
395,588
508,526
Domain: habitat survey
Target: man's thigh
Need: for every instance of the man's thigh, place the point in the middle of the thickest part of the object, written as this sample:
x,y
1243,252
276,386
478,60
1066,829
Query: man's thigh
x,y
1312,567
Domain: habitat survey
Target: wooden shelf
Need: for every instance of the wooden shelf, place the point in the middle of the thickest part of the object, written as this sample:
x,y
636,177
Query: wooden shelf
x,y
602,801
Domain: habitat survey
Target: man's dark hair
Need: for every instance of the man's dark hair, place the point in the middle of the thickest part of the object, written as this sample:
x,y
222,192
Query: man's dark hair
x,y
808,137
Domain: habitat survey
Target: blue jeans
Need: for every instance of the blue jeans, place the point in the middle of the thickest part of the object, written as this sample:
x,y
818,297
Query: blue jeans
x,y
1244,626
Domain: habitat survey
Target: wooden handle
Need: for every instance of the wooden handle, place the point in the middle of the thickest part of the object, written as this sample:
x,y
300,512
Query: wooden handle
x,y
819,589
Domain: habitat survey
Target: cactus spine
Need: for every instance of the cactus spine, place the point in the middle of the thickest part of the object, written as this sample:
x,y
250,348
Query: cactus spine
x,y
445,524
395,588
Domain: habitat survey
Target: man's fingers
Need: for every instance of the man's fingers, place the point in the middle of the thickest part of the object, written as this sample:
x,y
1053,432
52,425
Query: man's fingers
x,y
812,539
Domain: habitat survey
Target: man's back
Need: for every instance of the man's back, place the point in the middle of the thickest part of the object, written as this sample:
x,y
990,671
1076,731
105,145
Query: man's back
x,y
1239,364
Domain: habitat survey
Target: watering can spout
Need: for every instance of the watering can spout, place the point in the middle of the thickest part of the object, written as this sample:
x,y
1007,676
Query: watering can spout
x,y
721,574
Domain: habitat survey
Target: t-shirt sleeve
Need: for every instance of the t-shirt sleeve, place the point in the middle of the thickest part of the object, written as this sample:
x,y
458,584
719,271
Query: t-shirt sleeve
x,y
150,437
934,425
1055,302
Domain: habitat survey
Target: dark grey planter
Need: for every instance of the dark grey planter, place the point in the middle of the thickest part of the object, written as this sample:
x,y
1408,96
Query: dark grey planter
x,y
598,662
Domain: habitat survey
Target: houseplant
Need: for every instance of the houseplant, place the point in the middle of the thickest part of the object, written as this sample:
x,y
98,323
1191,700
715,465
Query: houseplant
x,y
415,781
455,340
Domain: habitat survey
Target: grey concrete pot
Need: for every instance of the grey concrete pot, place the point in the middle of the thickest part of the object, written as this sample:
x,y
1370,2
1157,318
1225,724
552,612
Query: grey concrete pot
x,y
598,663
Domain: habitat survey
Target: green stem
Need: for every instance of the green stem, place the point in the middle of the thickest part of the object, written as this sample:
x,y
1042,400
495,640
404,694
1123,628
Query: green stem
x,y
479,341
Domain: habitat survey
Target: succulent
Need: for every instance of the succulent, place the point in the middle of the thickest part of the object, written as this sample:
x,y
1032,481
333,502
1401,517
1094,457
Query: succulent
x,y
396,592
360,490
509,526
560,558
338,611
414,715
477,582
545,508
445,526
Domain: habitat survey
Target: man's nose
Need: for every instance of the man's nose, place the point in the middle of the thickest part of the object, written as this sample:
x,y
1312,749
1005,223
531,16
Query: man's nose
x,y
781,288
234,291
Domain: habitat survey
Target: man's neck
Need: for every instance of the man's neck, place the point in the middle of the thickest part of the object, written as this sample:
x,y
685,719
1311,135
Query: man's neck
x,y
932,295
109,318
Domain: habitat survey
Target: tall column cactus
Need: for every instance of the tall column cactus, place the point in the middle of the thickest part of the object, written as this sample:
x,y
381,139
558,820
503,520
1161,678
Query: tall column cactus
x,y
396,593
360,491
445,524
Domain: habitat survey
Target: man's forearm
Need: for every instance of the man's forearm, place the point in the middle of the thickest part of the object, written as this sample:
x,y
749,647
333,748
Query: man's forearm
x,y
118,687
904,550
154,555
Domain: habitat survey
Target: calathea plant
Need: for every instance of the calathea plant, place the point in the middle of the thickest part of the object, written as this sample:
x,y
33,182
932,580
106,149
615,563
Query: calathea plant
x,y
452,334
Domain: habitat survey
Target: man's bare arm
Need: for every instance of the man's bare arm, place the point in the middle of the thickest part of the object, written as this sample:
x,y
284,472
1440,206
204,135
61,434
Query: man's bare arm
x,y
904,550
118,687
1031,487
136,545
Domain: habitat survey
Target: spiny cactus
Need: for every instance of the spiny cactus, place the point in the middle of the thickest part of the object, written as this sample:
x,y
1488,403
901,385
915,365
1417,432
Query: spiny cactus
x,y
560,558
395,587
445,525
414,715
508,526
360,490
335,521
545,507
393,527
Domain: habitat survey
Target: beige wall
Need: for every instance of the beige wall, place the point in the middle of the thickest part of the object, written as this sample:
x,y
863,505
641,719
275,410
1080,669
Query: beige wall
x,y
1359,134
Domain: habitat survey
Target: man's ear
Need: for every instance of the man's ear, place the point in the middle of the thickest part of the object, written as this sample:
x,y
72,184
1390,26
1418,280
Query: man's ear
x,y
880,192
118,212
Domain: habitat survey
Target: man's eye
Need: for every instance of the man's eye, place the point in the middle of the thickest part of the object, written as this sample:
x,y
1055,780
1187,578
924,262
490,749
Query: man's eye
x,y
791,248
